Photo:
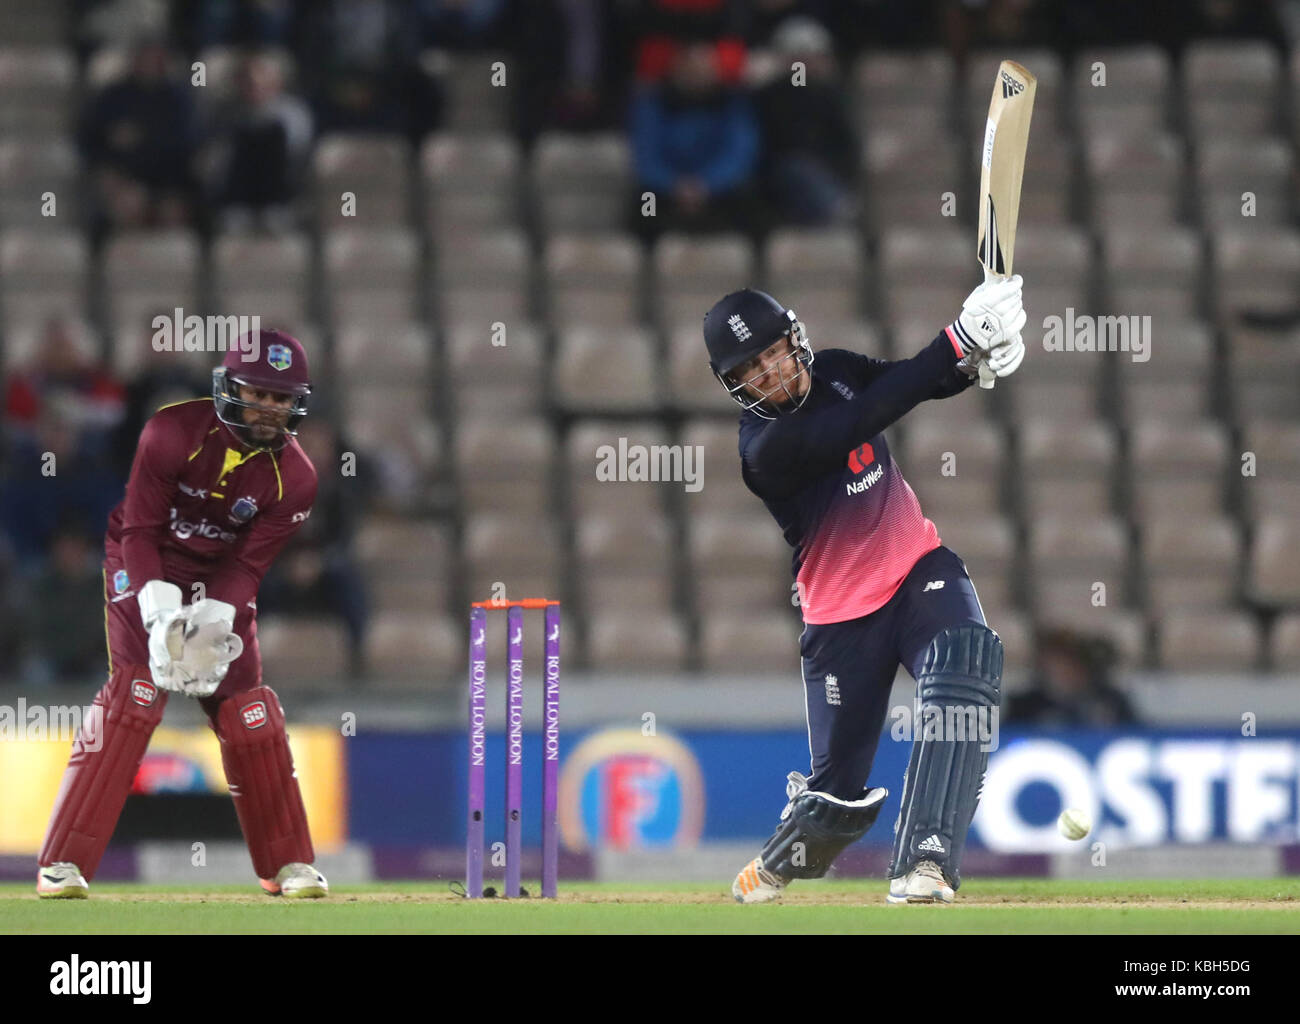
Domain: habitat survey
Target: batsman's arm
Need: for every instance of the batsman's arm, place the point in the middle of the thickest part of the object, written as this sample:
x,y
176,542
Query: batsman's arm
x,y
792,451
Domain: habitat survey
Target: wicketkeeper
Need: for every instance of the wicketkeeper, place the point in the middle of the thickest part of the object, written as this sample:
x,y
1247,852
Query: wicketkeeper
x,y
217,486
876,586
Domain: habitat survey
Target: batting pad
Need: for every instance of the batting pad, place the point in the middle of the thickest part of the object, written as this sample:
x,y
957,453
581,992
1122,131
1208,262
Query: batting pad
x,y
105,758
962,671
259,771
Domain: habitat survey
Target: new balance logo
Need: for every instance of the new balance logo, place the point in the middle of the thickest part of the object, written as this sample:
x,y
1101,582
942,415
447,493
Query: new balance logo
x,y
833,690
739,328
1011,87
931,845
932,585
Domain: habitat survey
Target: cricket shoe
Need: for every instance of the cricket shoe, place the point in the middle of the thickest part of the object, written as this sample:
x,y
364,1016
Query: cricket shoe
x,y
755,884
925,883
61,881
297,881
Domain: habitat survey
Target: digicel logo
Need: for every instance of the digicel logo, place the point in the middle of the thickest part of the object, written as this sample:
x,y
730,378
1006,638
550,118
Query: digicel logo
x,y
861,457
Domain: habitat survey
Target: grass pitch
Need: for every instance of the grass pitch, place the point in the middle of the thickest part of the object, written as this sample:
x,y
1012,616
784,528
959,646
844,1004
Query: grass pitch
x,y
827,907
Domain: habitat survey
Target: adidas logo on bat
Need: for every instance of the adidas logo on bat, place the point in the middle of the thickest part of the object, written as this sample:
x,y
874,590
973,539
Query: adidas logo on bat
x,y
1011,87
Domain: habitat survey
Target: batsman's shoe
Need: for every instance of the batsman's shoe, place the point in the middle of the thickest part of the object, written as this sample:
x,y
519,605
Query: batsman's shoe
x,y
297,882
925,883
755,884
61,881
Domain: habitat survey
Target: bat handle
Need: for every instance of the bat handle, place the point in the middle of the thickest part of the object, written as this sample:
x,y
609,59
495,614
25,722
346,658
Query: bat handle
x,y
987,380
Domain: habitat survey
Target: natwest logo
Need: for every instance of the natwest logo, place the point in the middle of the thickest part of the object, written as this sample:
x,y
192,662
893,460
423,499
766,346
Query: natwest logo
x,y
861,457
254,715
858,486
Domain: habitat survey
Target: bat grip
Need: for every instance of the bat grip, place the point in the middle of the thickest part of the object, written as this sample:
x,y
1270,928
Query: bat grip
x,y
987,379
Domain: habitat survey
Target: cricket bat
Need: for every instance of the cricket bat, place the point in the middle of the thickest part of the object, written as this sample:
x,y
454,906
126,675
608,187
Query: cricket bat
x,y
1002,167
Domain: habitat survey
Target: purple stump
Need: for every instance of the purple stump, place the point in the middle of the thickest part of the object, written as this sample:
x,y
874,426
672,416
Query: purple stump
x,y
551,754
477,751
514,748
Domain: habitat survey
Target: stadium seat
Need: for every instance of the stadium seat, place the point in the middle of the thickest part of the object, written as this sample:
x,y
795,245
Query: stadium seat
x,y
526,556
415,650
302,652
905,176
1263,374
375,169
392,426
1135,94
1181,466
475,99
1174,384
268,277
1226,169
30,168
924,276
818,274
580,183
1231,87
618,640
471,182
1274,488
1274,572
624,560
750,641
1209,641
738,563
1135,179
594,280
36,89
148,273
43,272
496,372
955,475
902,92
1069,554
1066,467
483,278
1155,273
593,445
604,371
370,353
372,275
724,490
691,274
1189,561
505,464
1285,643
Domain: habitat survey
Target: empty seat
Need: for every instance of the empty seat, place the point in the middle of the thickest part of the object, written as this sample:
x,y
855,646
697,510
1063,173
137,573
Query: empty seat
x,y
393,426
505,464
1174,382
723,489
739,563
905,177
692,383
601,371
624,560
36,88
1227,169
1156,273
1263,374
398,354
1190,562
817,273
500,372
1134,91
23,342
1066,467
580,183
1231,87
1274,579
1274,487
471,182
1069,555
1058,262
375,170
29,169
594,280
622,641
302,649
408,563
749,642
988,547
1257,270
1209,641
1127,631
372,275
691,274
43,272
620,465
925,275
523,556
1179,467
902,92
954,474
477,97
415,648
150,273
269,277
483,279
1285,643
1135,179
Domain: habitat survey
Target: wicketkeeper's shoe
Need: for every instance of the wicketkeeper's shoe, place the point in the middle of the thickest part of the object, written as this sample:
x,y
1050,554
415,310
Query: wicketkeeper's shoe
x,y
925,883
297,881
755,884
61,881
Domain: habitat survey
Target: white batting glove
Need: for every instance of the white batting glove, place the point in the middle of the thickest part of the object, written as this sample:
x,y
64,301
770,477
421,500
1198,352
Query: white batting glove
x,y
992,314
1006,356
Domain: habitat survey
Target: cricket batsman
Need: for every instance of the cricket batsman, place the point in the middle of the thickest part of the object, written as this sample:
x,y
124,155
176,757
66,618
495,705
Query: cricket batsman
x,y
217,486
876,586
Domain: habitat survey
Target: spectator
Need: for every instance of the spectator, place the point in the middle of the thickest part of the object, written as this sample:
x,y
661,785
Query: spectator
x,y
138,138
695,146
810,148
662,27
1072,684
258,150
317,572
237,23
61,380
64,614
